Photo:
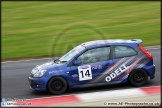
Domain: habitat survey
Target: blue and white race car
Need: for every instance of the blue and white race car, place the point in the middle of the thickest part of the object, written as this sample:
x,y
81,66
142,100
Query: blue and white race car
x,y
95,63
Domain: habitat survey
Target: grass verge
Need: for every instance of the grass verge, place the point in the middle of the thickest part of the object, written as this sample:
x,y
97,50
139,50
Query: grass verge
x,y
30,28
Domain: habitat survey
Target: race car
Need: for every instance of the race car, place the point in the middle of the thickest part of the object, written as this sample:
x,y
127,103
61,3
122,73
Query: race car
x,y
95,63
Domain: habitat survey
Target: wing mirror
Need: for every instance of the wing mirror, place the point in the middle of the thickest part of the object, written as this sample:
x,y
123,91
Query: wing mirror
x,y
77,62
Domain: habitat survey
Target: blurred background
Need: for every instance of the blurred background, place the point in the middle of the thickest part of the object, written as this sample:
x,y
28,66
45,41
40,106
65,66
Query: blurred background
x,y
32,30
29,29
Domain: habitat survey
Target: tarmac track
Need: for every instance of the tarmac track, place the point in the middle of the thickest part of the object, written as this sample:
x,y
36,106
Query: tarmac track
x,y
14,79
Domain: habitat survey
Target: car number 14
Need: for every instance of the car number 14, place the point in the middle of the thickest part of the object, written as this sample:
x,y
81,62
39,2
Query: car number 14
x,y
85,72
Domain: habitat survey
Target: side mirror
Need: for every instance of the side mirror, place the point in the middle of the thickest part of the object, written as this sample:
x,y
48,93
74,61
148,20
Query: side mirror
x,y
77,62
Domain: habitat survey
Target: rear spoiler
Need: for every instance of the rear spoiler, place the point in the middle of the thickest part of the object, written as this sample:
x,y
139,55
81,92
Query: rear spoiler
x,y
138,41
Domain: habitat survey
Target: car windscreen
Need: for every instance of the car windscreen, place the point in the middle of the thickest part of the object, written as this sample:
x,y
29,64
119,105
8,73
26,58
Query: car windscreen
x,y
71,53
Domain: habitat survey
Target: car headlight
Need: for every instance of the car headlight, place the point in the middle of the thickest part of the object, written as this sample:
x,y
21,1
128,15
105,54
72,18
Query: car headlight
x,y
39,73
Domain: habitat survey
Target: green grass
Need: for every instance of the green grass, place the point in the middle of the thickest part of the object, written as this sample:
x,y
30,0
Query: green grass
x,y
30,28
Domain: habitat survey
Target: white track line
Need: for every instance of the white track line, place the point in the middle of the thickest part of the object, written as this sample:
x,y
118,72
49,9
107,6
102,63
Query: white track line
x,y
116,94
26,60
148,47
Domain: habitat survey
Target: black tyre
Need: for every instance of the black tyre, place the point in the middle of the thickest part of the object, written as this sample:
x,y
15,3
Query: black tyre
x,y
138,77
57,85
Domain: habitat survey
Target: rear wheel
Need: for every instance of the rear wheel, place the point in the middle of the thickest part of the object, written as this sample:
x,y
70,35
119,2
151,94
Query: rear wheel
x,y
57,85
138,77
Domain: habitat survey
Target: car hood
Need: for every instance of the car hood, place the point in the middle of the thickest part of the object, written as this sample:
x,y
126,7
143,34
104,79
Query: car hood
x,y
48,65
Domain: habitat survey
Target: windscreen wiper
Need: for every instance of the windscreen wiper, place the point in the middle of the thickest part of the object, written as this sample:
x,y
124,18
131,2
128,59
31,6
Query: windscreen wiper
x,y
55,61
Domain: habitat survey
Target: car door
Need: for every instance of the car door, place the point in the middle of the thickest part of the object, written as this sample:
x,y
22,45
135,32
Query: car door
x,y
88,71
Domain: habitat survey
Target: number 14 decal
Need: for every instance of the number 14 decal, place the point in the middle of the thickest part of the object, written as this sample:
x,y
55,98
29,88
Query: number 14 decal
x,y
85,72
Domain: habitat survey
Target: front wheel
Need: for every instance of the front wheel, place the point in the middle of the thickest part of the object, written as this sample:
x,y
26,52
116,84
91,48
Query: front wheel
x,y
57,85
138,77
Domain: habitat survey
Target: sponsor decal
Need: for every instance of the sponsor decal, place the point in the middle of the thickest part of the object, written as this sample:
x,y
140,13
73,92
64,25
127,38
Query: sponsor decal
x,y
96,66
59,70
133,65
119,73
55,71
125,74
116,73
51,72
75,75
84,67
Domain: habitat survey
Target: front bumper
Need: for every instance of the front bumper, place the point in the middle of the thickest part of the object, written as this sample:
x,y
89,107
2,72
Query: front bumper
x,y
38,84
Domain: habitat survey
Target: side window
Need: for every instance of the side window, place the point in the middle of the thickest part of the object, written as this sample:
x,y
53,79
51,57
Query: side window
x,y
124,51
103,53
95,55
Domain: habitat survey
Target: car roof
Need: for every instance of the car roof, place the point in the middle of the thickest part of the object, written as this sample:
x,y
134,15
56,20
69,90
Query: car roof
x,y
111,42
